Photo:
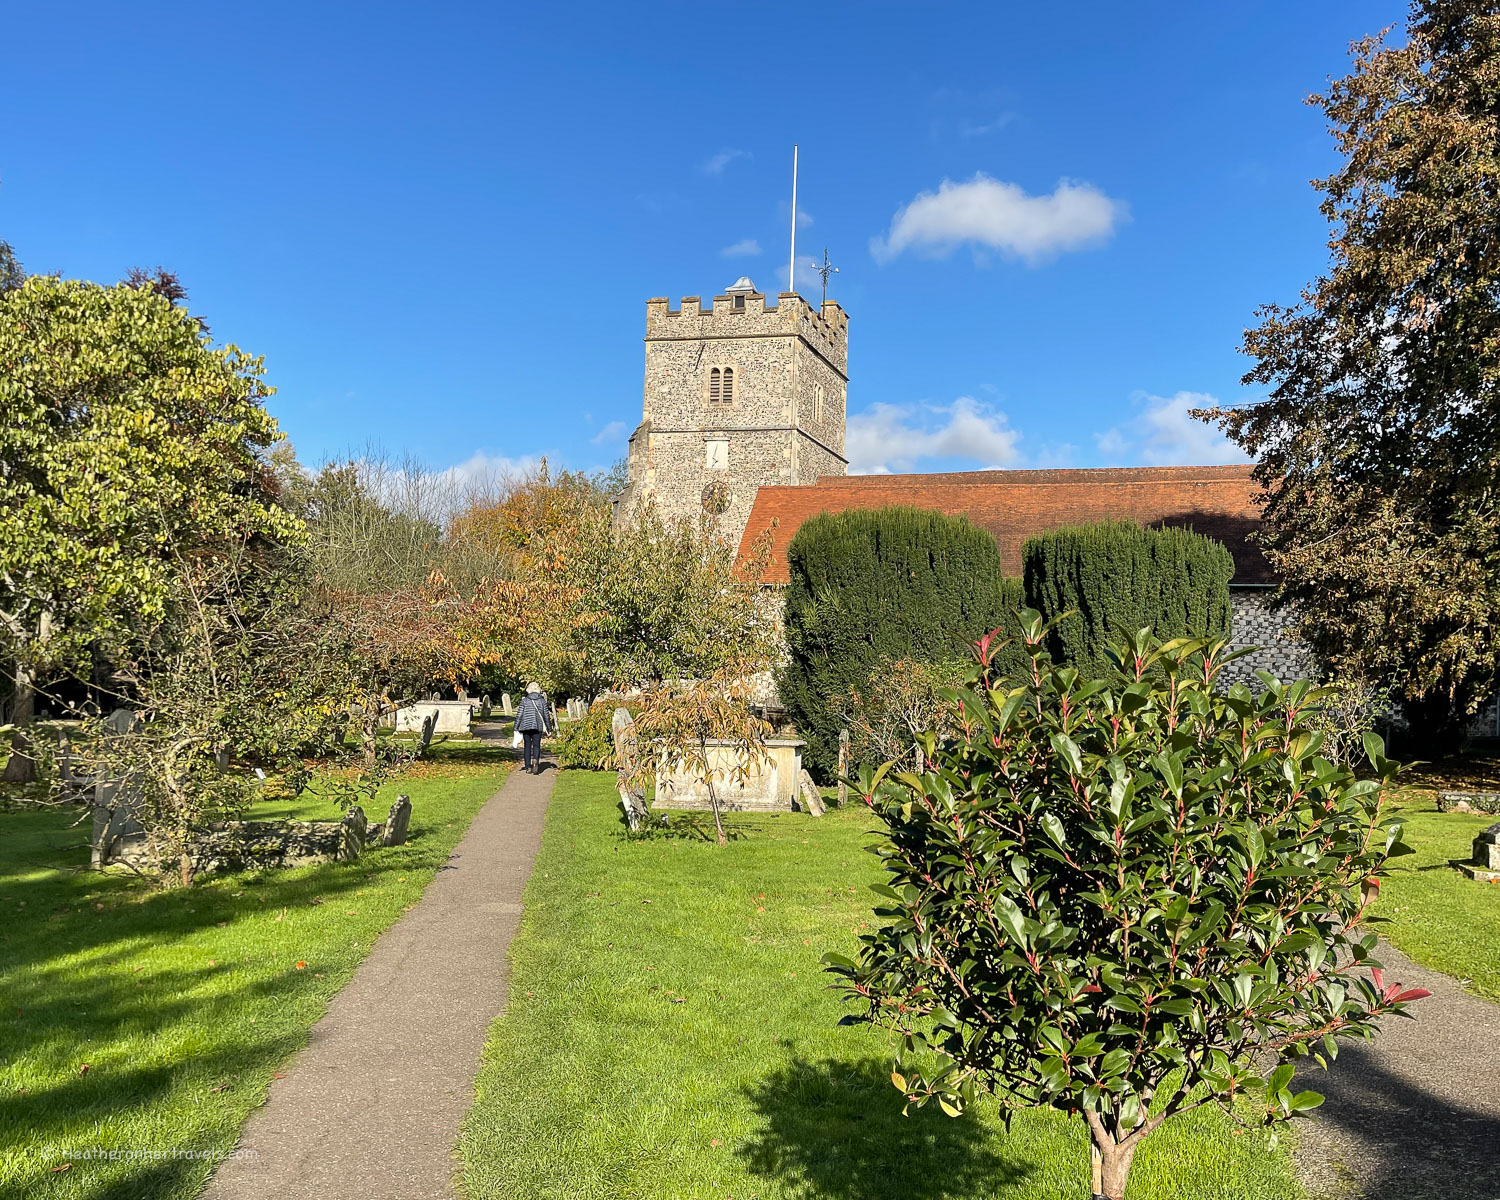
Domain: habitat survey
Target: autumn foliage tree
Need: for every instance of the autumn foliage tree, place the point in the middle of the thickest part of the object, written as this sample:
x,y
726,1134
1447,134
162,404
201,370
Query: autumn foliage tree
x,y
1379,442
1125,897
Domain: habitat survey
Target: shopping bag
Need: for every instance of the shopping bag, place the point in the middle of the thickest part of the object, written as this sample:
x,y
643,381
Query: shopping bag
x,y
516,739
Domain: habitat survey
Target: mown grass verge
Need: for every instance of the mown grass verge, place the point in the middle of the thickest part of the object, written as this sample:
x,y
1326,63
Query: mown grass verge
x,y
670,1034
147,1023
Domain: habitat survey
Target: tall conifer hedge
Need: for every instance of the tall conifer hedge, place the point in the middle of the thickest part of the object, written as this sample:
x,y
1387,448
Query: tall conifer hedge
x,y
1117,578
876,585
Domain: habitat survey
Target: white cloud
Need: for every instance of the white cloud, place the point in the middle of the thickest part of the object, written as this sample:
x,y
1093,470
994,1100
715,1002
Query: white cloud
x,y
887,438
744,248
1164,435
1001,216
610,433
716,164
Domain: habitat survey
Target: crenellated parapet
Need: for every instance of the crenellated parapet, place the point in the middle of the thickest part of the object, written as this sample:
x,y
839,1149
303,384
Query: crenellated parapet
x,y
748,315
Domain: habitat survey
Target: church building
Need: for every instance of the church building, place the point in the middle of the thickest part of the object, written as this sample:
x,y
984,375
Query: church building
x,y
744,413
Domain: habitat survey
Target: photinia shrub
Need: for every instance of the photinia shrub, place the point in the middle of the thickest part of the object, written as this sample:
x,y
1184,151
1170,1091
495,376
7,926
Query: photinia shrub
x,y
1126,897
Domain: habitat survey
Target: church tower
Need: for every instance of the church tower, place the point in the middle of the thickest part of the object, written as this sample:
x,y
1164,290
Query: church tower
x,y
737,395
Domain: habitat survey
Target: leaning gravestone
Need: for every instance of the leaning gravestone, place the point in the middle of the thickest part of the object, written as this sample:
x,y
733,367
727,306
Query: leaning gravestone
x,y
424,739
396,824
632,795
507,705
1486,864
352,831
808,795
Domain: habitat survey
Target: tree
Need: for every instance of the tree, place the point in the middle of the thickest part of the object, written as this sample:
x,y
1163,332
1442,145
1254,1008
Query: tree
x,y
1116,897
11,273
874,586
410,604
1097,582
894,706
232,678
129,445
1378,444
652,600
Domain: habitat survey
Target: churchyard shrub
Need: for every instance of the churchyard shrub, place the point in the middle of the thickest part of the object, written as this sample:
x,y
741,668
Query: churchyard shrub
x,y
875,586
1124,897
586,744
1099,582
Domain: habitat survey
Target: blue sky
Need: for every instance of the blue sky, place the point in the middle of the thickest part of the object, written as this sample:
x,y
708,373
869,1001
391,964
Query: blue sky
x,y
439,223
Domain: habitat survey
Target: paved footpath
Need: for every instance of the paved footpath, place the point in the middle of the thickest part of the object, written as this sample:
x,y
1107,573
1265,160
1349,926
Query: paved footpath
x,y
1415,1114
370,1109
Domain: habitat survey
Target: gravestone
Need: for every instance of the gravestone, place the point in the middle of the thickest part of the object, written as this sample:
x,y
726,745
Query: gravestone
x,y
118,834
122,721
843,767
392,831
808,796
632,794
484,705
507,705
460,693
1486,864
429,723
352,831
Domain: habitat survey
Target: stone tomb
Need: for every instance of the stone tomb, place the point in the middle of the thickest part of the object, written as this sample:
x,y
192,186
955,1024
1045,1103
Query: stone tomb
x,y
450,716
263,845
1462,802
768,786
1486,864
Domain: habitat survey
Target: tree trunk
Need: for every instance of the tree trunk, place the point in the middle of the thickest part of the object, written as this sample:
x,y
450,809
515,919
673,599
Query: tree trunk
x,y
713,795
1111,1160
22,767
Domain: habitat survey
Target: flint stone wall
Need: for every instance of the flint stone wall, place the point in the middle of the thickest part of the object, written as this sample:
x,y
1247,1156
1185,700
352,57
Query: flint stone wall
x,y
1277,649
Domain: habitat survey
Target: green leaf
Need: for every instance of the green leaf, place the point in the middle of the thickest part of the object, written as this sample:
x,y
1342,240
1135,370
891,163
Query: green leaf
x,y
1303,1101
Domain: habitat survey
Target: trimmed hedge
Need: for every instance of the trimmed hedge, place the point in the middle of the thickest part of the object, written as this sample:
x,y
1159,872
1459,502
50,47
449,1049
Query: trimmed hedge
x,y
1117,578
876,585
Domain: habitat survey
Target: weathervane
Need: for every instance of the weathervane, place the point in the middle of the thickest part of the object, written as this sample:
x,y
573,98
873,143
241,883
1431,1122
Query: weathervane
x,y
825,271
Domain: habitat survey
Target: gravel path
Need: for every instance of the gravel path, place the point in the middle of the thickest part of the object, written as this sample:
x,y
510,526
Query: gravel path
x,y
371,1109
1415,1114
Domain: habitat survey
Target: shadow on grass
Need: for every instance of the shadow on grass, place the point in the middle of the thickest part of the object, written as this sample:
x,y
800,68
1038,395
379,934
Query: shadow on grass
x,y
1404,1142
835,1129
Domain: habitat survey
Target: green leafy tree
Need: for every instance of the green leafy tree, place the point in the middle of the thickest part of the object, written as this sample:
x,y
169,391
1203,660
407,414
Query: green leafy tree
x,y
875,586
1097,582
129,445
1119,897
1378,444
651,600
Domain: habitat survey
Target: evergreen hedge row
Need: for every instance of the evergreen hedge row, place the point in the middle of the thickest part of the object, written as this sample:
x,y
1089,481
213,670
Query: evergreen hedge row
x,y
1117,578
875,585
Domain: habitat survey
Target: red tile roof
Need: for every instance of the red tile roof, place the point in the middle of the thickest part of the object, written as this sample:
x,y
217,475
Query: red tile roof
x,y
1015,505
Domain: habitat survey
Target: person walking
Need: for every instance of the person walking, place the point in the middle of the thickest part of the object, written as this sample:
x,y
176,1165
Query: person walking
x,y
533,718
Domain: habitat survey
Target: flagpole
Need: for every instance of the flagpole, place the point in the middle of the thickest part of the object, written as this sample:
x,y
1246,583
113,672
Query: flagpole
x,y
791,270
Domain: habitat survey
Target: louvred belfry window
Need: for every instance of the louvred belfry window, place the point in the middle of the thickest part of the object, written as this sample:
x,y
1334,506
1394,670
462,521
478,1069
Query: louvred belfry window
x,y
721,385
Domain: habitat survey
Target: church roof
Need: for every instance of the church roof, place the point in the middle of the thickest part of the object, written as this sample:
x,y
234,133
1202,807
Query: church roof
x,y
1016,505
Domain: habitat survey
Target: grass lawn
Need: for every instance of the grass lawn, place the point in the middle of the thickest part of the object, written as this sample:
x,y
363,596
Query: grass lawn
x,y
671,1035
1431,912
150,1021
